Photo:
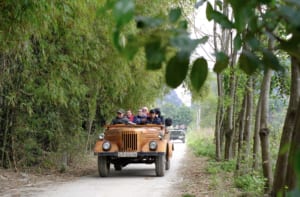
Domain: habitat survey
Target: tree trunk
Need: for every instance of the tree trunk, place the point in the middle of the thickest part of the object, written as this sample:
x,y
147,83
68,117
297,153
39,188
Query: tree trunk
x,y
229,131
294,152
256,140
245,127
219,115
90,124
248,121
264,130
219,119
286,138
242,116
235,123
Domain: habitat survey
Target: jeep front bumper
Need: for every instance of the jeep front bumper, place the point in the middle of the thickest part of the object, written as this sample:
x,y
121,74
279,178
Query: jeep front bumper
x,y
129,154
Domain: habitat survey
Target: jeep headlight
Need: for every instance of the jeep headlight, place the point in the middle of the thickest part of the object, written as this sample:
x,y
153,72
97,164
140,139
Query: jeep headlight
x,y
106,145
101,136
153,145
160,135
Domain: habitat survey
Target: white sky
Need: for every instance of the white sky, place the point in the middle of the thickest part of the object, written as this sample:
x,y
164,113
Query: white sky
x,y
184,96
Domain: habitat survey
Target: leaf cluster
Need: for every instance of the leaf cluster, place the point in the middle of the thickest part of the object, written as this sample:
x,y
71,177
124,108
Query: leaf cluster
x,y
165,41
253,21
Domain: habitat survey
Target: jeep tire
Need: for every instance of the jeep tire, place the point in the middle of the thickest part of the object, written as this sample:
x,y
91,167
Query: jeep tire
x,y
160,165
168,163
117,167
103,166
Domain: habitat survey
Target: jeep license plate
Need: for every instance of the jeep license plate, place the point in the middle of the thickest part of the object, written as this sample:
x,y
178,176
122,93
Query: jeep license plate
x,y
127,154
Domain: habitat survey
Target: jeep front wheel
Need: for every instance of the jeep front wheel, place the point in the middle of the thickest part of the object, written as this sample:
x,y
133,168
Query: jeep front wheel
x,y
168,163
160,165
118,167
103,166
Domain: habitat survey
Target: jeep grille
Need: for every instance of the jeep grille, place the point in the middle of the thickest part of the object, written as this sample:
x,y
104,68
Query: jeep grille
x,y
129,141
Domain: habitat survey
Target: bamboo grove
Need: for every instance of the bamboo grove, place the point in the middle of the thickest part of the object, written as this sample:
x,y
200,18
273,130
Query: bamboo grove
x,y
61,79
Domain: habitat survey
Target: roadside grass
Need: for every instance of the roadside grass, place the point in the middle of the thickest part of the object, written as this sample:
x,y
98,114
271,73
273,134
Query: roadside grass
x,y
251,184
223,180
201,143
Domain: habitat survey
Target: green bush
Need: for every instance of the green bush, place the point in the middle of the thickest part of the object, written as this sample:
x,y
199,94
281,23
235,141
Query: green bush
x,y
188,195
250,183
213,168
219,167
200,145
228,166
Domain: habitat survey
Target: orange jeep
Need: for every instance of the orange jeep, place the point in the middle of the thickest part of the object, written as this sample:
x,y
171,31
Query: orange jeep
x,y
123,144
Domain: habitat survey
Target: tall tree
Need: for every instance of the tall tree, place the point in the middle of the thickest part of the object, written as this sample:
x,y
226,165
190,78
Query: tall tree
x,y
265,130
280,175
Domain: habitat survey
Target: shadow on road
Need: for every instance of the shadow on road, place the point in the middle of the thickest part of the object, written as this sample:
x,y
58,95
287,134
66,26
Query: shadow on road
x,y
146,171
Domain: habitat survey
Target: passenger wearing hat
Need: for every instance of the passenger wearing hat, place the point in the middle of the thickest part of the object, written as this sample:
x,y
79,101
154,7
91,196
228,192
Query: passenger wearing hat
x,y
153,119
120,119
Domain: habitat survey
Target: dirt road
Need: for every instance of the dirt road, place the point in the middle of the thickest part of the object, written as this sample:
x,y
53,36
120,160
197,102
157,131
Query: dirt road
x,y
133,180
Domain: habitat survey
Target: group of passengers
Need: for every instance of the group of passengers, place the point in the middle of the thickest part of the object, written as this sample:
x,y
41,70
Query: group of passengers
x,y
144,116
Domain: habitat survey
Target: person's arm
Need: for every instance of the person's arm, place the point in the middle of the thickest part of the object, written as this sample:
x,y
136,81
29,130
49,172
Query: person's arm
x,y
157,121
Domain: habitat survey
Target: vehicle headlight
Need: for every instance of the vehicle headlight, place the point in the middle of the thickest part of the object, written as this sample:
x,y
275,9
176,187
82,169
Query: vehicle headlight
x,y
152,145
101,136
106,145
160,135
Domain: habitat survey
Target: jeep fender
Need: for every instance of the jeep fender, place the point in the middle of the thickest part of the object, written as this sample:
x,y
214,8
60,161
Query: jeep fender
x,y
161,146
170,150
98,147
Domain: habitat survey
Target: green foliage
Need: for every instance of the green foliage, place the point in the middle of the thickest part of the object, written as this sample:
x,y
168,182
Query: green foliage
x,y
222,62
179,114
212,14
296,191
188,195
176,70
220,167
32,152
165,40
61,78
271,60
248,62
253,184
154,54
174,15
201,146
199,73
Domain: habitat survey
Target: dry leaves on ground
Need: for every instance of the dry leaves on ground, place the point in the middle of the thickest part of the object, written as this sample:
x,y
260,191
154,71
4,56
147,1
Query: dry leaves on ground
x,y
196,181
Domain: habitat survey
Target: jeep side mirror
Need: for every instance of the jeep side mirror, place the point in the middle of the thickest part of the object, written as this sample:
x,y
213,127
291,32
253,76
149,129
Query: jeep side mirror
x,y
168,122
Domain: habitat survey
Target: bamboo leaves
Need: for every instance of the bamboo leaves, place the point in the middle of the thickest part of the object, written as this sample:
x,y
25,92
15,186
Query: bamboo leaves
x,y
60,71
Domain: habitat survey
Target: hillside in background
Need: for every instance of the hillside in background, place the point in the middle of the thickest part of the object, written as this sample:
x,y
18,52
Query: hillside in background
x,y
171,98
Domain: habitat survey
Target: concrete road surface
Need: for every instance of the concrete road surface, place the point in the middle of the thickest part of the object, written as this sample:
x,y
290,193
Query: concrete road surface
x,y
134,180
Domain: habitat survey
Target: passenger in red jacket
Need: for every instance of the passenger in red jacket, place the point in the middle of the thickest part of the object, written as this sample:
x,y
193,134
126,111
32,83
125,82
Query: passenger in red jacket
x,y
129,115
